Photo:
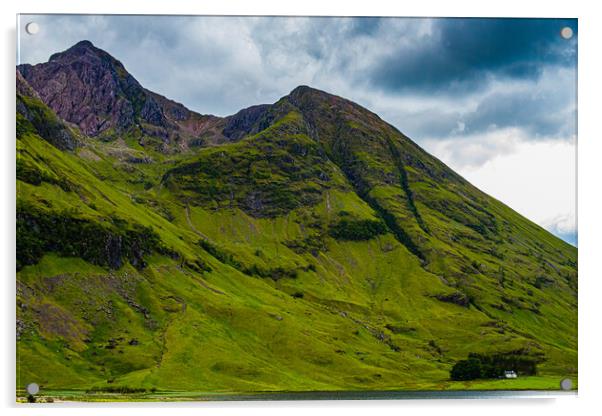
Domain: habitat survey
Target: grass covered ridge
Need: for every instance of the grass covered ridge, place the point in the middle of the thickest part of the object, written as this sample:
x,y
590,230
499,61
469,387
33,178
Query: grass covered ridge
x,y
309,256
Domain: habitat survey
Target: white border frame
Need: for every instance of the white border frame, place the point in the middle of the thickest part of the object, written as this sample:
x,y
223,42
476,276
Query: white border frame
x,y
589,194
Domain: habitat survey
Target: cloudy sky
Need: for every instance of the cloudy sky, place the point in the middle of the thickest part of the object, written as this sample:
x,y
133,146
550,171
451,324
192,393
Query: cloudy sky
x,y
495,99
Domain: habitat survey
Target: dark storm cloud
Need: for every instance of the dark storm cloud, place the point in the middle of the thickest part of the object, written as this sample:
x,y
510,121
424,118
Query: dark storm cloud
x,y
461,54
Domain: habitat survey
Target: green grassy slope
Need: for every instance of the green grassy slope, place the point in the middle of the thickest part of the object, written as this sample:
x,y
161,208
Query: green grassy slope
x,y
325,252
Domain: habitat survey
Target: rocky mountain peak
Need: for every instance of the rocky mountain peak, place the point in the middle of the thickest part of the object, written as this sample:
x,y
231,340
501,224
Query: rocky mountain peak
x,y
304,92
309,99
80,48
85,53
88,87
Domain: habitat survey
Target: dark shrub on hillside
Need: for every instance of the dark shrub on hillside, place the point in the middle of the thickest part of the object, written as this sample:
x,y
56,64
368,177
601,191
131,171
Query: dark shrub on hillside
x,y
274,274
253,270
312,244
34,116
516,361
198,266
357,229
493,366
457,297
220,254
466,370
31,174
105,245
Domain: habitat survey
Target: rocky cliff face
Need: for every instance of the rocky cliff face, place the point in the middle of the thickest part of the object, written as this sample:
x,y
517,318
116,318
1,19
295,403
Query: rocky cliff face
x,y
86,86
245,122
32,113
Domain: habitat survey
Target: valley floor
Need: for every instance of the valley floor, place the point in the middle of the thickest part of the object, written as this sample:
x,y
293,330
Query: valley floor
x,y
533,386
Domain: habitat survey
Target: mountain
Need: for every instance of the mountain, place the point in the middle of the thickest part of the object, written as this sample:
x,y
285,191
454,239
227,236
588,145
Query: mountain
x,y
88,87
300,245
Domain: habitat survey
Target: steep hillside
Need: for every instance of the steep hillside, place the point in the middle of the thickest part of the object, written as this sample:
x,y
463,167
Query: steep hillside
x,y
303,245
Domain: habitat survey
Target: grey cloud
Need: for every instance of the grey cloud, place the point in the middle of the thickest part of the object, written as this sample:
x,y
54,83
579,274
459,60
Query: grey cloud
x,y
545,109
474,151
